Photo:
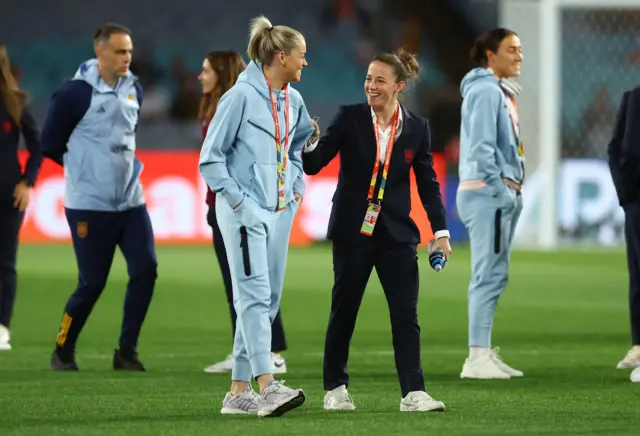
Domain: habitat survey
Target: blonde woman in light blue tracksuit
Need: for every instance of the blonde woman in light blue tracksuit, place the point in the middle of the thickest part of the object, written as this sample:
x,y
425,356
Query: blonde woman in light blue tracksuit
x,y
259,186
489,197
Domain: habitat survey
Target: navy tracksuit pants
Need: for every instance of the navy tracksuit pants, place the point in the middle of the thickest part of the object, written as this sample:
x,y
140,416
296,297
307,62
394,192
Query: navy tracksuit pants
x,y
10,221
95,237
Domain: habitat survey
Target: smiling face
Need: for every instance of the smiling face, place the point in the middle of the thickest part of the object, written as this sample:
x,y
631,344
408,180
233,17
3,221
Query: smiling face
x,y
294,62
380,85
507,60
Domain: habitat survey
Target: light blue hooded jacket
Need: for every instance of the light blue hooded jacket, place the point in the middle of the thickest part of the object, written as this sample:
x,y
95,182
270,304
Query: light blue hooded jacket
x,y
239,157
90,130
488,144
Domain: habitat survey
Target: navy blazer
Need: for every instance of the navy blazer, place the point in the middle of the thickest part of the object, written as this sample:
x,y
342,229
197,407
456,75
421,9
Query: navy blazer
x,y
351,134
624,148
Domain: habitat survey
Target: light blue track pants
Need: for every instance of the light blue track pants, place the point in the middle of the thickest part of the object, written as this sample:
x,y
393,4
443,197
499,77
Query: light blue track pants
x,y
257,243
491,223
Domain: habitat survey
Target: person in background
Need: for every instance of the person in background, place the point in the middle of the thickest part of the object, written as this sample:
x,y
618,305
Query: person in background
x,y
251,160
624,164
489,199
90,130
15,184
220,71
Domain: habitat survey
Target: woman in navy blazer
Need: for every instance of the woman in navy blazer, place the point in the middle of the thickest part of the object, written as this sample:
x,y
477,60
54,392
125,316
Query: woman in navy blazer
x,y
379,143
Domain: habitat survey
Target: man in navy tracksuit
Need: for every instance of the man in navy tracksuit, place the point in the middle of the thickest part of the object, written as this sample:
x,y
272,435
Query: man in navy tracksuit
x,y
90,130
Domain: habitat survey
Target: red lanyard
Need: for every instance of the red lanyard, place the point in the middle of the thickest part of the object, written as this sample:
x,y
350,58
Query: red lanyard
x,y
376,165
515,122
513,114
282,150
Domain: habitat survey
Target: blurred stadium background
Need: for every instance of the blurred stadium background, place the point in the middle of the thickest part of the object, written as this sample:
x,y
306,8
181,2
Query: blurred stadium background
x,y
564,319
573,77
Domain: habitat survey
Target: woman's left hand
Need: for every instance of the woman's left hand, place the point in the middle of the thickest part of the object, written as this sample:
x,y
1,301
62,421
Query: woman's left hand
x,y
445,246
21,196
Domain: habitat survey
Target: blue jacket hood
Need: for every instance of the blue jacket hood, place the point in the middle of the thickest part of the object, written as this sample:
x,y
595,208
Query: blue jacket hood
x,y
88,71
254,76
476,76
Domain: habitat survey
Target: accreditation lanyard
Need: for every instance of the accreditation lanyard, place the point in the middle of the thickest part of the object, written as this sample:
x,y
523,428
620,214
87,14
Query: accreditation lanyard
x,y
373,209
387,160
515,122
281,148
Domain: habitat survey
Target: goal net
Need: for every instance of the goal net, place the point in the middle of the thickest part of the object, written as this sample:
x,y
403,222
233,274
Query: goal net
x,y
580,56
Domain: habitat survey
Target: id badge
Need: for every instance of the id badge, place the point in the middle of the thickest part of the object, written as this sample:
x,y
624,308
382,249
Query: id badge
x,y
370,219
281,194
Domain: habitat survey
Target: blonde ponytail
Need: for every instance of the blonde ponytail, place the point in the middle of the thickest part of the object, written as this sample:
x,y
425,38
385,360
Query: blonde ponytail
x,y
266,40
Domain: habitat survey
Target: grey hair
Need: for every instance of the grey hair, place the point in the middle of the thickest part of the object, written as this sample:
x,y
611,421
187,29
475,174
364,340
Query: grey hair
x,y
266,40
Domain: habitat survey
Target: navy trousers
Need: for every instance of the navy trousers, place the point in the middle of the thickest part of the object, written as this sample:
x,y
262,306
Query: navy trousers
x,y
95,238
278,341
632,236
10,221
397,267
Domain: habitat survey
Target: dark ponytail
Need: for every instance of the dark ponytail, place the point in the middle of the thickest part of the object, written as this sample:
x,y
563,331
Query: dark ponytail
x,y
489,40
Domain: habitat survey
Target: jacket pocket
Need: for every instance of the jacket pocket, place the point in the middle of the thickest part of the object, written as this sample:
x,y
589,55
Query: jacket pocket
x,y
244,245
265,184
497,231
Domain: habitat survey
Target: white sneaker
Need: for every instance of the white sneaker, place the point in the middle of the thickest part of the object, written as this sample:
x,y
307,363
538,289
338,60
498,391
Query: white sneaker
x,y
278,399
631,360
279,364
338,399
635,375
503,366
245,403
483,367
5,339
224,366
419,401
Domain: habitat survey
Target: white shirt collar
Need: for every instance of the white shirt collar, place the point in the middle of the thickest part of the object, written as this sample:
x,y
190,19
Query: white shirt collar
x,y
400,117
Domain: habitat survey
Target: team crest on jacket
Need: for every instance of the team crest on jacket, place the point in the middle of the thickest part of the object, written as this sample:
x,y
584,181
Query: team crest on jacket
x,y
7,127
408,155
82,229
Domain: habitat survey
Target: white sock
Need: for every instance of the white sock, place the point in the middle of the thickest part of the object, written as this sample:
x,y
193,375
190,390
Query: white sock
x,y
475,352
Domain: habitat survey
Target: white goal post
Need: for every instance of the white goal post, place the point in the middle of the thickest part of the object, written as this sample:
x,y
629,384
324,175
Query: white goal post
x,y
573,76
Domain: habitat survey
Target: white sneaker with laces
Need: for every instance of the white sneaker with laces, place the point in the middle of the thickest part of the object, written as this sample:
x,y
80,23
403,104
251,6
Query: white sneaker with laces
x,y
420,401
482,367
635,375
279,364
338,399
631,360
245,403
278,399
5,339
219,367
503,366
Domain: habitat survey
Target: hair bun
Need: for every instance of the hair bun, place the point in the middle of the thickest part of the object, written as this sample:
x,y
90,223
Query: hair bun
x,y
410,62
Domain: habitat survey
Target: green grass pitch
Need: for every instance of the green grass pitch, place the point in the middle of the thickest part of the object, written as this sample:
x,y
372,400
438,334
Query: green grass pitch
x,y
563,321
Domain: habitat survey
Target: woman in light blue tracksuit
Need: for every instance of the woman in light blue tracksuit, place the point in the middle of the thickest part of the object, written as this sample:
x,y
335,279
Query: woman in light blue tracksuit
x,y
251,159
489,198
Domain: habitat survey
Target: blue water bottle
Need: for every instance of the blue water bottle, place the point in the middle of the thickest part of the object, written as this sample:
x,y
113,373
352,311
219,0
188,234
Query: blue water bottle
x,y
436,256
